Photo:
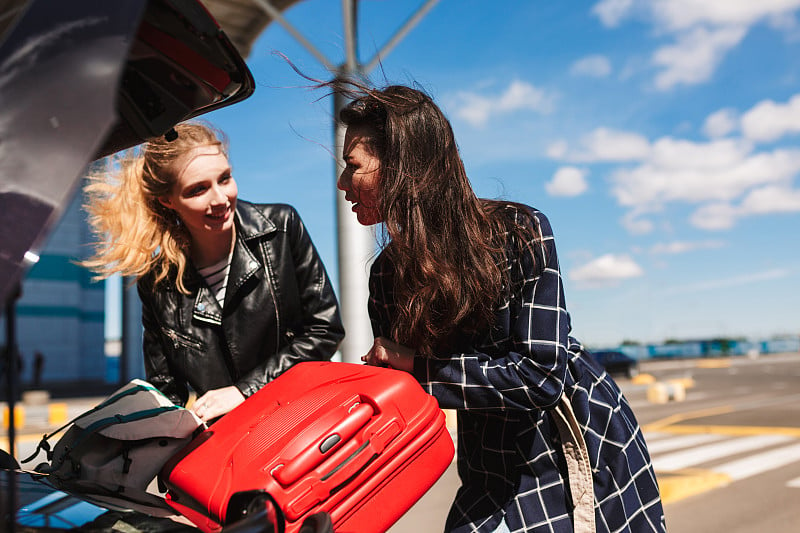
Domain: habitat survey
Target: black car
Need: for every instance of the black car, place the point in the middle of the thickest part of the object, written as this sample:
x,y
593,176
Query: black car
x,y
617,363
42,508
80,80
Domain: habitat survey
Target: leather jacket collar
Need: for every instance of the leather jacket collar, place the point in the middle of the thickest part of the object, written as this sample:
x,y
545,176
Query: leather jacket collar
x,y
250,224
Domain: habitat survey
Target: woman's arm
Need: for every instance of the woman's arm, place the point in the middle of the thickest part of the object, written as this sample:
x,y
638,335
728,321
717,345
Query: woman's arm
x,y
156,364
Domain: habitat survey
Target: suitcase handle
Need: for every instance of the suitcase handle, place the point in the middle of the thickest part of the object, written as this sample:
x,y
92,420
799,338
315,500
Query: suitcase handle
x,y
319,450
366,453
345,472
320,489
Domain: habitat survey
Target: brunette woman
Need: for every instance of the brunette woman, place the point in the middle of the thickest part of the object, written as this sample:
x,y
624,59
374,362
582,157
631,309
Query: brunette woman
x,y
466,295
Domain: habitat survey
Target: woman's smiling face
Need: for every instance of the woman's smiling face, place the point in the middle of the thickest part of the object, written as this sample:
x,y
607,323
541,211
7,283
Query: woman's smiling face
x,y
204,194
360,178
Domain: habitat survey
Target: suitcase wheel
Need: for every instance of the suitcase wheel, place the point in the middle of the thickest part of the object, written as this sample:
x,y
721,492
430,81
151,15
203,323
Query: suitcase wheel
x,y
248,503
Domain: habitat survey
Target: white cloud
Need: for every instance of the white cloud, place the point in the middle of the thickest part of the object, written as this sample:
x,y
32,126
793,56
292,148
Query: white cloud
x,y
681,171
680,154
695,55
771,199
786,22
721,123
478,109
557,149
768,121
594,66
701,32
567,181
726,178
608,268
605,144
759,201
636,224
611,12
736,281
682,14
681,247
716,216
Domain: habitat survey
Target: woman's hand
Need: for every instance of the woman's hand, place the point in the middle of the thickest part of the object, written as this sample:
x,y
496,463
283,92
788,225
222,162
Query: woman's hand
x,y
388,353
216,403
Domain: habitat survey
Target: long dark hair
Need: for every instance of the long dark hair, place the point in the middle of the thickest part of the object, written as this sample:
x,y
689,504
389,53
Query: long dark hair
x,y
447,246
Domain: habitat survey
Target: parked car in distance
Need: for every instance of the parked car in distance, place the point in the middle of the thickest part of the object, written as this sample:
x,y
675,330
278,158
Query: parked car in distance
x,y
617,363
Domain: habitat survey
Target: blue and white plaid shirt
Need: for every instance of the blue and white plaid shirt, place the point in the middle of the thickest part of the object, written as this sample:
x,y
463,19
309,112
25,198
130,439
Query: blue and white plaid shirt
x,y
503,386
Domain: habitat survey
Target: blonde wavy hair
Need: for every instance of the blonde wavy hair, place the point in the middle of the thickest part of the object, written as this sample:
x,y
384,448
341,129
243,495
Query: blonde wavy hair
x,y
135,233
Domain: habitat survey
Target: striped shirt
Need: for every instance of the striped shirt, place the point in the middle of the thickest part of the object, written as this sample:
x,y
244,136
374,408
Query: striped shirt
x,y
216,277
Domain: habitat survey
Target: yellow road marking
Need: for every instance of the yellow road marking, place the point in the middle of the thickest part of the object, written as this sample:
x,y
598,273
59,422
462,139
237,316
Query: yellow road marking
x,y
713,363
680,417
675,486
733,431
670,425
643,379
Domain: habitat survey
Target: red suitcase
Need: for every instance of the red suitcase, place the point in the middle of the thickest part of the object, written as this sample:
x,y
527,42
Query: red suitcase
x,y
359,442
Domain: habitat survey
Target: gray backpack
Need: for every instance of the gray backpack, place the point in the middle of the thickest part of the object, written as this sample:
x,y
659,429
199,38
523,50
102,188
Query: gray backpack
x,y
111,454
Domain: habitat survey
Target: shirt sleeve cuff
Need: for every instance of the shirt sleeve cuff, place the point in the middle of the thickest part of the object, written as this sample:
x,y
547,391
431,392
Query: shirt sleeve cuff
x,y
421,373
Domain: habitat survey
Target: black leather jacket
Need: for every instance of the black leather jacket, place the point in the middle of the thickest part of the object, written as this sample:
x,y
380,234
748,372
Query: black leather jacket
x,y
279,309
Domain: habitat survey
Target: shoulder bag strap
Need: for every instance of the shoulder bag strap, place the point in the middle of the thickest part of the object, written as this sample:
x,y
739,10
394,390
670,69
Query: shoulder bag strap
x,y
581,485
122,419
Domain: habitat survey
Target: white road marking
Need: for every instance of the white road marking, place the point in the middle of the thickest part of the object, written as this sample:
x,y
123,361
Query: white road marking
x,y
682,441
654,436
762,462
710,452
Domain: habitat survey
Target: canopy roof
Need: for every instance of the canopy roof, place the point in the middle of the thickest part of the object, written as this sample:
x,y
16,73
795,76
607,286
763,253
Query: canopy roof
x,y
244,20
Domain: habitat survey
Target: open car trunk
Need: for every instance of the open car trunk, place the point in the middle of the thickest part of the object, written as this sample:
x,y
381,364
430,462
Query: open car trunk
x,y
82,79
79,80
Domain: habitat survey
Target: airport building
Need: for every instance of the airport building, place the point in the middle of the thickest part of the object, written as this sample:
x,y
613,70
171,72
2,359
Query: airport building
x,y
60,312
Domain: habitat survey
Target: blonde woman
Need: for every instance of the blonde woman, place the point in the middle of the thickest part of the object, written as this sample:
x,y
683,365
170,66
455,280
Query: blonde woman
x,y
233,293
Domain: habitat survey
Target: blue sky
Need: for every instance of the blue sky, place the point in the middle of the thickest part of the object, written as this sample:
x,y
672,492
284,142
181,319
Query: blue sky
x,y
659,136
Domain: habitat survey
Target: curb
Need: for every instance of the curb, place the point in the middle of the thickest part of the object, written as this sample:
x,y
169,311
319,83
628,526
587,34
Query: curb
x,y
672,390
36,413
51,414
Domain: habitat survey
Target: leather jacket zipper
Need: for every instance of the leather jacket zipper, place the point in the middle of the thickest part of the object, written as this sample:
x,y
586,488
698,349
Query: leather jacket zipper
x,y
268,279
179,340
